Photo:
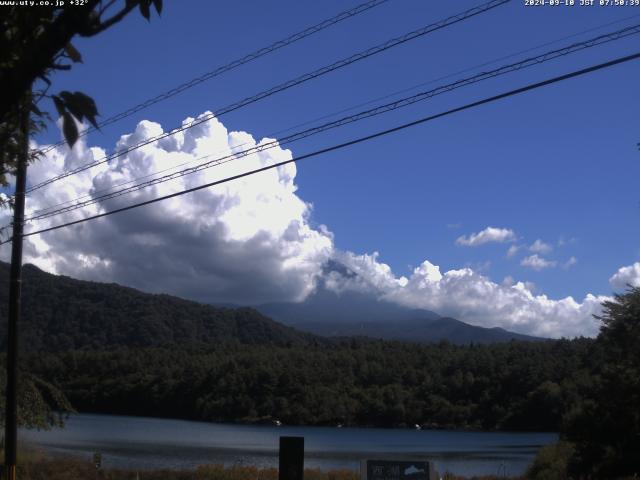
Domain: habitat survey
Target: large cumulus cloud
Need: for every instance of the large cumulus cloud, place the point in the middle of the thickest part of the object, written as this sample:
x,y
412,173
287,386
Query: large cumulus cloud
x,y
251,240
246,241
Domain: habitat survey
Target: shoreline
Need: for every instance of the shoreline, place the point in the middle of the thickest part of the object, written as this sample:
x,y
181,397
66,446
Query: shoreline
x,y
248,423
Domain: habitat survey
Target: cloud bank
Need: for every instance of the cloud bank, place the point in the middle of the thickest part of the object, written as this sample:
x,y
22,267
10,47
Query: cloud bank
x,y
468,295
252,241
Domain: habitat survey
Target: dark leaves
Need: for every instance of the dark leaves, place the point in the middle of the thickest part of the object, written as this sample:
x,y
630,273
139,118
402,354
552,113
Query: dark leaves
x,y
78,105
73,53
144,9
57,101
69,129
81,106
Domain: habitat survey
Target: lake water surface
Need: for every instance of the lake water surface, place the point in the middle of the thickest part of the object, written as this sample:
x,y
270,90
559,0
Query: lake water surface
x,y
145,443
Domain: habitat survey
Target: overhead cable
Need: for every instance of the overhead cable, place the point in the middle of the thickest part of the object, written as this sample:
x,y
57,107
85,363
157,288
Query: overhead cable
x,y
233,64
286,85
356,141
378,110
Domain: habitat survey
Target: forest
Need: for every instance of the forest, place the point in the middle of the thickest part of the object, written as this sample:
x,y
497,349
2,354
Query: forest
x,y
515,386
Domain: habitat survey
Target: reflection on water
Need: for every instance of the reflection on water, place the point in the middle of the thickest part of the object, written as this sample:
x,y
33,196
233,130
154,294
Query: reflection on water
x,y
146,443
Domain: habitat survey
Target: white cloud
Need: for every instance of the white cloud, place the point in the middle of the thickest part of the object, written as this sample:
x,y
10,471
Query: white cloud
x,y
562,241
472,297
537,263
513,249
570,263
245,241
629,275
540,247
489,234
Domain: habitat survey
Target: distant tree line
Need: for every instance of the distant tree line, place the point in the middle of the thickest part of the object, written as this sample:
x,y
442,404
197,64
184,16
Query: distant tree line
x,y
515,386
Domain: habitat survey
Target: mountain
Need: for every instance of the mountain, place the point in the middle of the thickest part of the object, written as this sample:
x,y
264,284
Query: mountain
x,y
61,313
352,313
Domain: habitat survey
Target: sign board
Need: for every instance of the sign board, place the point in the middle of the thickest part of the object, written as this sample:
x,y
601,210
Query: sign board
x,y
397,470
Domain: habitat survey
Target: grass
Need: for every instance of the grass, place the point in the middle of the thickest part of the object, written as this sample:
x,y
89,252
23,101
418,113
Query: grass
x,y
37,467
34,465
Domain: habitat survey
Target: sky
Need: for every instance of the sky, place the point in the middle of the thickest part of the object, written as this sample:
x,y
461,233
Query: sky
x,y
522,213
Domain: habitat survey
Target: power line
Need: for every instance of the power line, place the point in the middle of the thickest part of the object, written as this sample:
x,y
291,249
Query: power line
x,y
369,102
451,75
522,64
363,104
356,141
368,113
232,65
289,84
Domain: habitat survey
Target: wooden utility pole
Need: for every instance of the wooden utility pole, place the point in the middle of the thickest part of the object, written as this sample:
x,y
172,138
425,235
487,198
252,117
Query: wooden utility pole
x,y
15,290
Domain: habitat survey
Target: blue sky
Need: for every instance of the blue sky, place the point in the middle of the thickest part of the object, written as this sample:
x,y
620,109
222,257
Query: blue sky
x,y
559,164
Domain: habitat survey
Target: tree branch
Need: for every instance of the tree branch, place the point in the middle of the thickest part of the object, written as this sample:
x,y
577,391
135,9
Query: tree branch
x,y
106,7
44,48
102,26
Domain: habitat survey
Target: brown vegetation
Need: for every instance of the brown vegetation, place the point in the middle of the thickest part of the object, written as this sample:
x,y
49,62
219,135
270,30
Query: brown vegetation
x,y
41,468
37,467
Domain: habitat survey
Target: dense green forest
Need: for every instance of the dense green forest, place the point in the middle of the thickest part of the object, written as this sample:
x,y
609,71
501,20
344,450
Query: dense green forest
x,y
61,313
518,385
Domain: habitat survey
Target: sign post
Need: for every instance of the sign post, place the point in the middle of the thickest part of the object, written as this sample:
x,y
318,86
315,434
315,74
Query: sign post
x,y
291,463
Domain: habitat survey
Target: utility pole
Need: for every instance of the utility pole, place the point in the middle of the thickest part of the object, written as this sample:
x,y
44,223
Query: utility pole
x,y
15,288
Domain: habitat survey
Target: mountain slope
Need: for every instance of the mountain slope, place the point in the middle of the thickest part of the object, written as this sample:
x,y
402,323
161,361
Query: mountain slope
x,y
350,313
61,313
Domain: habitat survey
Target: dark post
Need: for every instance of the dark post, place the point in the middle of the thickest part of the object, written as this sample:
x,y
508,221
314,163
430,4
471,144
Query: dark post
x,y
291,458
11,410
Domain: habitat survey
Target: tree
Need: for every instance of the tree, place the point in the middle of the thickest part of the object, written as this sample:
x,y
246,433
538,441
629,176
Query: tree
x,y
605,425
41,405
551,462
36,42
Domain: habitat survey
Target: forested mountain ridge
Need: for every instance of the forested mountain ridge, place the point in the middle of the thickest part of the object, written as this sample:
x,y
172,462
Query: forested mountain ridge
x,y
61,313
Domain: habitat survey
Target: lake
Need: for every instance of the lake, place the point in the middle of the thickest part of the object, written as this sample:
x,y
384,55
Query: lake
x,y
146,443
